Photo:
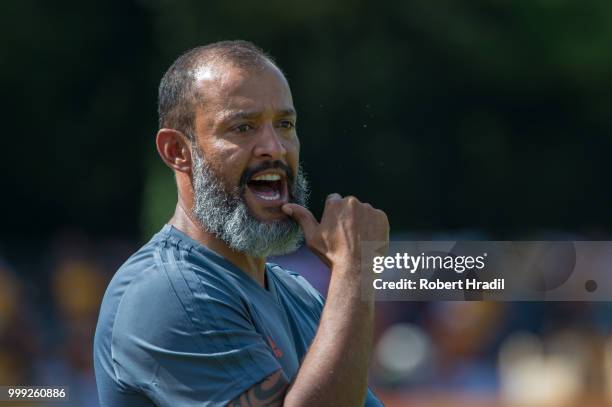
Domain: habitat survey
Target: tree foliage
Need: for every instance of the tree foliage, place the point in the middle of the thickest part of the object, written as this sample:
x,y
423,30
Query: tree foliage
x,y
449,115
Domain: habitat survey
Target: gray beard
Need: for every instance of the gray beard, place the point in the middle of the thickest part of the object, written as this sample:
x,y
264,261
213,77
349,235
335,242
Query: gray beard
x,y
226,215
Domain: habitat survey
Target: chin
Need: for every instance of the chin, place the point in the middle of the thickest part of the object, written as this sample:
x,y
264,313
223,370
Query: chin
x,y
274,214
265,211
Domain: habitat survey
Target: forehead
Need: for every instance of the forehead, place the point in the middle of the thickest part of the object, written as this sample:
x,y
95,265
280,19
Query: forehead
x,y
224,89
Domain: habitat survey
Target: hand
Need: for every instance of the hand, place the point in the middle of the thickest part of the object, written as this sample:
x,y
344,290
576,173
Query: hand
x,y
345,223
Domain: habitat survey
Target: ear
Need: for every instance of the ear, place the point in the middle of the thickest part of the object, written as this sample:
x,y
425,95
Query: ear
x,y
174,148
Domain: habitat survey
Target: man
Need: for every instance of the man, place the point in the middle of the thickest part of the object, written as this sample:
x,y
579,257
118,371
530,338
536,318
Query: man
x,y
197,316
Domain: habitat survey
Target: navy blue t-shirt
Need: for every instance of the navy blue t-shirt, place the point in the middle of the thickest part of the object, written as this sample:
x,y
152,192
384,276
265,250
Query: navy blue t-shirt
x,y
180,325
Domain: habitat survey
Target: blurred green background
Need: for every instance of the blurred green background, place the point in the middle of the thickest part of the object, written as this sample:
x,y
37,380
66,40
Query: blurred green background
x,y
490,119
488,115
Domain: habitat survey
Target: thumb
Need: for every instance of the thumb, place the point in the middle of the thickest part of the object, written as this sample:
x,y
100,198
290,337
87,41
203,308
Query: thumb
x,y
303,217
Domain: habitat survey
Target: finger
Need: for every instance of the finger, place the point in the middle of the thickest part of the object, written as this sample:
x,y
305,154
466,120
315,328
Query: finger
x,y
303,217
333,196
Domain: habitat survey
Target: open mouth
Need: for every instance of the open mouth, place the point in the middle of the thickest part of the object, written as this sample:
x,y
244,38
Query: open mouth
x,y
268,186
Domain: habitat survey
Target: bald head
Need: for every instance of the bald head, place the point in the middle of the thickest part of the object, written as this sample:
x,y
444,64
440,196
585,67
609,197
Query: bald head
x,y
178,90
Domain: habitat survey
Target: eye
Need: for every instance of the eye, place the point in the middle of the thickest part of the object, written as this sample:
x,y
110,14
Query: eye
x,y
287,124
243,128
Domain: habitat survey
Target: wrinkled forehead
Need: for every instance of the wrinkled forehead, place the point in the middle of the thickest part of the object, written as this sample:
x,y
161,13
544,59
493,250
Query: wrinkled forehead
x,y
226,86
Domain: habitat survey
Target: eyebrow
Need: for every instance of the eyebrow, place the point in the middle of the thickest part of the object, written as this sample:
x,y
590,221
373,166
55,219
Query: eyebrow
x,y
233,115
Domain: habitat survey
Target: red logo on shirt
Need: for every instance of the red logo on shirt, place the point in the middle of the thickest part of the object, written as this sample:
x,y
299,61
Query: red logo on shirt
x,y
277,352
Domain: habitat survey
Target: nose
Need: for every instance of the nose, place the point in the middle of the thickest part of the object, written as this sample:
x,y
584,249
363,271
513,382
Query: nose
x,y
270,144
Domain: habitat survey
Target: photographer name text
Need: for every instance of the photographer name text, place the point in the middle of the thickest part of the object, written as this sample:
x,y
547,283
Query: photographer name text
x,y
411,264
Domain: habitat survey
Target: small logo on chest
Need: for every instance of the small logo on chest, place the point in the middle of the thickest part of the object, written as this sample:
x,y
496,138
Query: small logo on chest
x,y
277,352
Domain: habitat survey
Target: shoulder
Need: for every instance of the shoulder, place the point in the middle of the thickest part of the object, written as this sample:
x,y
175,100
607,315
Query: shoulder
x,y
161,285
177,329
164,298
167,280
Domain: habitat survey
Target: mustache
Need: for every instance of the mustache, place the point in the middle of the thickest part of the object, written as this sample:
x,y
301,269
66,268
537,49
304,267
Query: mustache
x,y
267,165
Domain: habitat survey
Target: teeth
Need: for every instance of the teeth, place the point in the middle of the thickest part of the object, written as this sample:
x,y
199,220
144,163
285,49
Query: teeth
x,y
267,177
269,198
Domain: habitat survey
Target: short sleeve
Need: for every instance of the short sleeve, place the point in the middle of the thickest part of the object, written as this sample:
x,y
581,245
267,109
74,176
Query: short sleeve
x,y
316,295
182,335
299,287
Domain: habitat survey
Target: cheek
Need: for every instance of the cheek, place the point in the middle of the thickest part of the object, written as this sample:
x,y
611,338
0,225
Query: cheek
x,y
293,153
295,145
228,161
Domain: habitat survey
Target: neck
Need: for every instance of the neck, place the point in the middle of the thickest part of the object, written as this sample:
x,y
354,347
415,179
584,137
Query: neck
x,y
184,221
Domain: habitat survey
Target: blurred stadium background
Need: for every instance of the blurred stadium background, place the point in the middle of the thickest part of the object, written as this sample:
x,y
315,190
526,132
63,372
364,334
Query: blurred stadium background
x,y
480,119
